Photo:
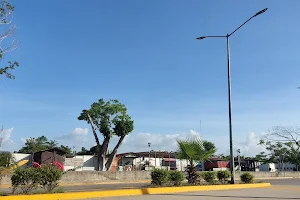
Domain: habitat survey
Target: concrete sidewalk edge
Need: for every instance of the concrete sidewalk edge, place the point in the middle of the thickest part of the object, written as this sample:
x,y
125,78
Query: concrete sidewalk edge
x,y
134,192
65,184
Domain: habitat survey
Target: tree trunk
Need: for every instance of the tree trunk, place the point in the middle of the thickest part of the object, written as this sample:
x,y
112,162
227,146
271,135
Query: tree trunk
x,y
100,151
102,154
94,129
113,154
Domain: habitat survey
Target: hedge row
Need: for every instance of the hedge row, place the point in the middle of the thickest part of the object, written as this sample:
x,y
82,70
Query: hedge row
x,y
162,177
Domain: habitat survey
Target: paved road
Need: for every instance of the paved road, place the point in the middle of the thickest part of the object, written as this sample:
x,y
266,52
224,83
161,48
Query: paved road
x,y
274,192
138,185
99,187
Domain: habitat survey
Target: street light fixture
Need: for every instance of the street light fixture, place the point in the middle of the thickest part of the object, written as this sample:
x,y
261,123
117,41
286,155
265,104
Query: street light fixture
x,y
229,87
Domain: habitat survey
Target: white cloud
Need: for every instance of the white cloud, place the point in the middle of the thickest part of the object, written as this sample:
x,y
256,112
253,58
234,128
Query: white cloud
x,y
250,147
136,142
76,139
24,140
139,141
7,142
80,132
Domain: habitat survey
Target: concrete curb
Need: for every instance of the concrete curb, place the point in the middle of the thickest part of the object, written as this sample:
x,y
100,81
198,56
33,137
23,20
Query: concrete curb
x,y
66,184
5,186
133,192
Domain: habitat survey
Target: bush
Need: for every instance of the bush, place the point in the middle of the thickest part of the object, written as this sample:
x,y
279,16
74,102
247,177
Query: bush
x,y
223,176
7,159
176,177
26,180
246,177
29,179
209,176
50,176
159,176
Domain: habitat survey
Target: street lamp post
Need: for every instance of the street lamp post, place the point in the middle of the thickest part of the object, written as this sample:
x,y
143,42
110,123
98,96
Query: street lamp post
x,y
227,36
149,144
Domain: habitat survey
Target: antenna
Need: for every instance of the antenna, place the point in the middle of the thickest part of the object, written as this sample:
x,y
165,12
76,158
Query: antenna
x,y
1,136
200,129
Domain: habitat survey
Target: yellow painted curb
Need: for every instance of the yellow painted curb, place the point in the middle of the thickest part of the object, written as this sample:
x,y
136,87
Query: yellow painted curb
x,y
132,192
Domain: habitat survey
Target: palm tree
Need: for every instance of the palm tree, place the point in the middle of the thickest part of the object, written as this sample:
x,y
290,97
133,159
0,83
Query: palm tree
x,y
193,150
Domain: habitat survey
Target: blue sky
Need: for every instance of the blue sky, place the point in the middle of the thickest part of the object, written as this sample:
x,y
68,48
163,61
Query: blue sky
x,y
144,53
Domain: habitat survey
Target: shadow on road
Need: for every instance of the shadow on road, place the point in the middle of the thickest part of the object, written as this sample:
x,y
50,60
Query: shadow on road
x,y
145,191
226,196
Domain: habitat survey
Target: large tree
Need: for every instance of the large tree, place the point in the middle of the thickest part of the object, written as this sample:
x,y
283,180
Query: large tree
x,y
194,151
110,119
283,144
6,12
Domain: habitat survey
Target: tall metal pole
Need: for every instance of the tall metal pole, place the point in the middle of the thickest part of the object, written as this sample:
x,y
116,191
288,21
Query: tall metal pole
x,y
229,87
229,107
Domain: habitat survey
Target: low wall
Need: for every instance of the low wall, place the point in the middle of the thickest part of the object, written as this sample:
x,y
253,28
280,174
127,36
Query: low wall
x,y
93,176
266,175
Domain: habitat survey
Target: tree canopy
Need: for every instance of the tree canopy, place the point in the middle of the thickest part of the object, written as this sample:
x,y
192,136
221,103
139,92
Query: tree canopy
x,y
282,144
42,143
93,151
6,12
109,118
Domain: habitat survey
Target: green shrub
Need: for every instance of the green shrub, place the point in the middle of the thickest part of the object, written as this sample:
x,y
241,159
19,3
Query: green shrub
x,y
223,176
59,190
209,176
246,177
26,180
7,159
159,176
50,176
176,177
29,179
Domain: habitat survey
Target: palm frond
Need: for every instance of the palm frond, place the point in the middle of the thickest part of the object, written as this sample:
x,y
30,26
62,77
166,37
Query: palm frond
x,y
192,149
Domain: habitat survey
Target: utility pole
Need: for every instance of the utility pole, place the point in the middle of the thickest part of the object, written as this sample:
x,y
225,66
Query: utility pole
x,y
227,36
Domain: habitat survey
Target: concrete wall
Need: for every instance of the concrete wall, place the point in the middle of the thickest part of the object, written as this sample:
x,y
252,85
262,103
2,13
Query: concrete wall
x,y
93,176
277,167
272,174
89,163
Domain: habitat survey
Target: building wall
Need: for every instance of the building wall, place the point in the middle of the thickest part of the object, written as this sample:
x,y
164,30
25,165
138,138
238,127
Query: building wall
x,y
274,167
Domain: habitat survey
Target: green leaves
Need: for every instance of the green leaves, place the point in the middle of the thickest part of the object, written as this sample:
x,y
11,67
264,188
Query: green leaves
x,y
42,143
223,176
7,159
282,141
29,179
110,118
5,70
5,10
193,149
246,177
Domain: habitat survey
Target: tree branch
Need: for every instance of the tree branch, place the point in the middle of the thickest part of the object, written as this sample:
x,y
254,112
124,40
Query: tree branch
x,y
93,129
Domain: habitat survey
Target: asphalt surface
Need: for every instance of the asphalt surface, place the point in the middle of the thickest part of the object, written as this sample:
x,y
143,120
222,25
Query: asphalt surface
x,y
283,182
274,192
116,186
